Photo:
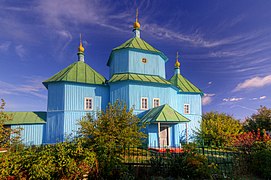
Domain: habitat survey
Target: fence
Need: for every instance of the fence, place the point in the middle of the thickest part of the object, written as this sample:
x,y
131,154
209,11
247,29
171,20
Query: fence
x,y
229,161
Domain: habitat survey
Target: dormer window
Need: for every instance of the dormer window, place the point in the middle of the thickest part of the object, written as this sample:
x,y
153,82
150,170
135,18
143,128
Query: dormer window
x,y
88,104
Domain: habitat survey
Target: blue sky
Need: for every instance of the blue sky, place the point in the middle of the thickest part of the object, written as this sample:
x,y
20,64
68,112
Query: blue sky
x,y
224,46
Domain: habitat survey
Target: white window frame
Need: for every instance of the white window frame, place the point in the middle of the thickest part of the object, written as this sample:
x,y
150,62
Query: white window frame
x,y
184,109
154,103
143,108
85,101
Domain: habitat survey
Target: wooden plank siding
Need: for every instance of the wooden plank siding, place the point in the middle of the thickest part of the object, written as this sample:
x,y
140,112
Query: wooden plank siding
x,y
31,134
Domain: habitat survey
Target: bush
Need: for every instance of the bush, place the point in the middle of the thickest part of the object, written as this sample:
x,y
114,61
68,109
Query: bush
x,y
189,165
61,161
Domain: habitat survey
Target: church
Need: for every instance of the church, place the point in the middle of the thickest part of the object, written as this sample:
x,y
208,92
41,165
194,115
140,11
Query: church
x,y
137,76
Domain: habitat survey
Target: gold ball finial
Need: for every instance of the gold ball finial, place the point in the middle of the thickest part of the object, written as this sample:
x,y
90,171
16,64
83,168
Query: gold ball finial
x,y
81,49
177,63
136,23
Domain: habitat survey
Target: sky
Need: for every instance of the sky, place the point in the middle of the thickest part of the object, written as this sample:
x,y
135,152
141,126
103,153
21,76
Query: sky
x,y
224,46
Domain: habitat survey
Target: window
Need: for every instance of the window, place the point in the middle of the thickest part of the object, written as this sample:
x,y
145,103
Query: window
x,y
186,108
88,104
144,103
156,102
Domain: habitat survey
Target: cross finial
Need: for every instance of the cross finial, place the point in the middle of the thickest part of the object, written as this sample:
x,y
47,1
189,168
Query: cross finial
x,y
136,14
177,63
80,38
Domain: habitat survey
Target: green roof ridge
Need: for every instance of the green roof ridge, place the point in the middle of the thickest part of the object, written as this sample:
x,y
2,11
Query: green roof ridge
x,y
183,84
36,117
163,113
78,72
138,77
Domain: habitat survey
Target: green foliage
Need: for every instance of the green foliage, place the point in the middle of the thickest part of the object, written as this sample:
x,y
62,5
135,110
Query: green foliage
x,y
260,159
68,160
259,120
8,137
109,134
218,129
188,165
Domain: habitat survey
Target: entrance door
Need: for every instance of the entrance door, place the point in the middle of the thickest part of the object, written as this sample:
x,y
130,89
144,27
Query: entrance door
x,y
164,136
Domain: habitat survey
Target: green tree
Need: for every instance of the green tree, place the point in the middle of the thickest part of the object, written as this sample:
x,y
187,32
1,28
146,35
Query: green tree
x,y
259,120
218,129
109,133
8,136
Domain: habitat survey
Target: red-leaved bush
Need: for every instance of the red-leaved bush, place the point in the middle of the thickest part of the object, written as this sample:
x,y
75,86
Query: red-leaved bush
x,y
247,139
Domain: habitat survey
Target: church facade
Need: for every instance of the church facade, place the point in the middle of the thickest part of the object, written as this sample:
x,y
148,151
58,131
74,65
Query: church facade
x,y
172,107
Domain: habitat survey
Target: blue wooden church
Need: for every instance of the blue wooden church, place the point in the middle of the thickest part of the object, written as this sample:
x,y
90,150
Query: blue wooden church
x,y
137,77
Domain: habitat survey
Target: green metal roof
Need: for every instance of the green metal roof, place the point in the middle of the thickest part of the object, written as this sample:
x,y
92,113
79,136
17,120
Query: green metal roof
x,y
183,84
138,43
77,72
26,118
163,113
138,77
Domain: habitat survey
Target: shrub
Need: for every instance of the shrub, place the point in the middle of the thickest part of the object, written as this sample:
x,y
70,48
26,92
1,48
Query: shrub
x,y
188,165
61,161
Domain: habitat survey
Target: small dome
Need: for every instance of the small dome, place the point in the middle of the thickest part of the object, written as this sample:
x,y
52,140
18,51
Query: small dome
x,y
177,64
136,25
81,48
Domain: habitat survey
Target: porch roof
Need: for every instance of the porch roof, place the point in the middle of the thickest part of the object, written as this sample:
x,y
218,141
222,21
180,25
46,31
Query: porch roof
x,y
163,113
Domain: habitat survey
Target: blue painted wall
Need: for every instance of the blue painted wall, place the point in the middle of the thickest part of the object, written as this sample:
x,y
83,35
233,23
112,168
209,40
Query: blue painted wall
x,y
131,93
124,61
155,64
31,134
119,62
66,108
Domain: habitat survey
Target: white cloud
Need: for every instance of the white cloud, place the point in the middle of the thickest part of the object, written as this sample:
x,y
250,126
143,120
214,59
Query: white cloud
x,y
254,82
20,51
232,99
209,83
262,97
207,99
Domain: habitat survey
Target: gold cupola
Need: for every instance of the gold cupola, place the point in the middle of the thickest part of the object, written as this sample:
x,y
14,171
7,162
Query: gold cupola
x,y
81,51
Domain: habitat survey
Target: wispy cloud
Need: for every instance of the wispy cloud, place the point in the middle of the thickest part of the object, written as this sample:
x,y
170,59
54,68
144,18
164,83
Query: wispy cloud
x,y
255,82
233,99
259,98
32,86
207,99
5,46
20,51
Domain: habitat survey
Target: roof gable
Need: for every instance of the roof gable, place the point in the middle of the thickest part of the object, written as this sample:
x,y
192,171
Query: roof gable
x,y
163,113
183,84
26,118
77,72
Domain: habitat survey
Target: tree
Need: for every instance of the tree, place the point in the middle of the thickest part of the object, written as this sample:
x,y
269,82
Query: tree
x,y
8,136
110,133
259,120
218,129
